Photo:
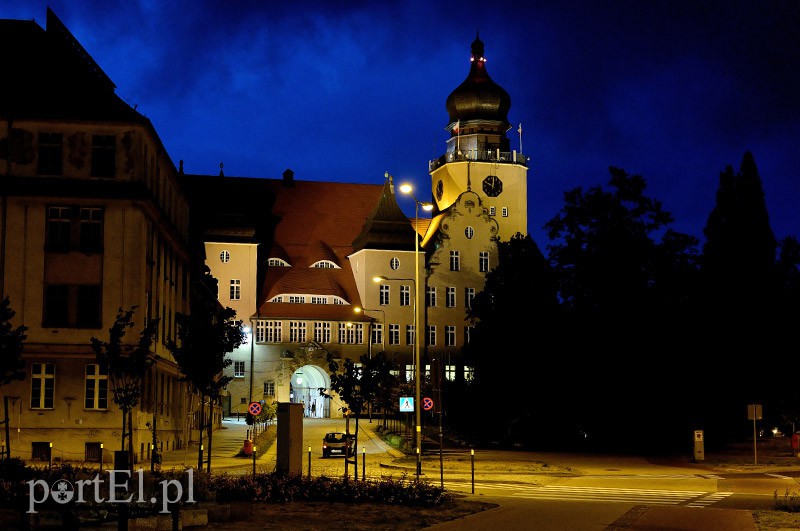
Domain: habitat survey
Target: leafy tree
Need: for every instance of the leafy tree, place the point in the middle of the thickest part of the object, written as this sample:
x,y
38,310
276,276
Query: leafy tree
x,y
626,283
521,279
204,340
11,345
362,386
127,367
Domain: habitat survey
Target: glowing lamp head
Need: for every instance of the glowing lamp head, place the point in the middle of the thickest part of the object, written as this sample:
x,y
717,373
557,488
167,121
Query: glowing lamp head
x,y
406,188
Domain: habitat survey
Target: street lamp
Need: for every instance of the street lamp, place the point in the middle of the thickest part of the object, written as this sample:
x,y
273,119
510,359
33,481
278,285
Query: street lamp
x,y
359,309
408,190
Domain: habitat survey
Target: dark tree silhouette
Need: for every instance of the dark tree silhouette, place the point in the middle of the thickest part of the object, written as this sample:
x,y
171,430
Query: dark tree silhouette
x,y
205,338
127,366
11,345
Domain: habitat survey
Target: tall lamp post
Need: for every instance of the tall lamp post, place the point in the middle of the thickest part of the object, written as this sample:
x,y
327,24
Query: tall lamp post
x,y
408,190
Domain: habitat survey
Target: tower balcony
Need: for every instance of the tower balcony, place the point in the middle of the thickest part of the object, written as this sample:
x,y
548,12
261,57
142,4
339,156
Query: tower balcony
x,y
479,155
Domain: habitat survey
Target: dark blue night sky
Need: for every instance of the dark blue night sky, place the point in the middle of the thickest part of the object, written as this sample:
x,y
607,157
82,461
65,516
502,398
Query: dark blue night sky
x,y
344,91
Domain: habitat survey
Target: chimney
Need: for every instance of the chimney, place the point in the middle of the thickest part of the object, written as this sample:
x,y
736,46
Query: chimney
x,y
288,178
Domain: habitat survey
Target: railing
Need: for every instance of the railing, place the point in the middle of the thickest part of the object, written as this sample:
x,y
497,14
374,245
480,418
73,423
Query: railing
x,y
480,155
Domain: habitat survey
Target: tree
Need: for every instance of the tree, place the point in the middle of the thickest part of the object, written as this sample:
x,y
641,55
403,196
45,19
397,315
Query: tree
x,y
127,367
360,386
11,345
626,283
521,279
204,340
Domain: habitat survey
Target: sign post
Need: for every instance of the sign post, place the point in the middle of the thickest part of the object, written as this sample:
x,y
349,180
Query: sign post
x,y
754,413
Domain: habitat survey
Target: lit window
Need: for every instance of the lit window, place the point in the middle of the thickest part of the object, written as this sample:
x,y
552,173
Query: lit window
x,y
450,372
409,373
469,373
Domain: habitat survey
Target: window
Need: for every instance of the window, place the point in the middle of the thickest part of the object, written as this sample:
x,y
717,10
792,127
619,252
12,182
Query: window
x,y
68,306
92,453
273,332
409,373
236,289
338,300
43,379
469,232
450,298
455,261
238,369
269,388
59,219
88,307
469,373
449,336
468,334
384,295
91,229
297,299
430,296
377,334
394,263
492,211
450,372
343,333
324,264
431,335
40,451
505,212
318,300
469,296
483,262
297,331
358,334
277,262
394,334
405,295
224,257
260,331
410,334
96,387
104,151
50,154
322,332
74,228
243,400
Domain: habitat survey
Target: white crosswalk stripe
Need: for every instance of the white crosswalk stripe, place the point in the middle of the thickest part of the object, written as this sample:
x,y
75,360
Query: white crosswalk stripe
x,y
705,501
603,494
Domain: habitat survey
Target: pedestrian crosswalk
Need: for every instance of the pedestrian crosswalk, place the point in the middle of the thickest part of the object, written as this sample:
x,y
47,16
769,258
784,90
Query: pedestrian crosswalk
x,y
689,498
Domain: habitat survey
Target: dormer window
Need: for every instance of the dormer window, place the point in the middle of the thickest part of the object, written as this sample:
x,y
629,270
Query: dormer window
x,y
277,262
324,264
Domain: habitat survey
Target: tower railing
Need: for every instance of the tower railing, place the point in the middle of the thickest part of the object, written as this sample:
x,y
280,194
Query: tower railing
x,y
480,155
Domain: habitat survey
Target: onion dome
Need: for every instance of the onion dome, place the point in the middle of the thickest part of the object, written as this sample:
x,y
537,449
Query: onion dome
x,y
478,97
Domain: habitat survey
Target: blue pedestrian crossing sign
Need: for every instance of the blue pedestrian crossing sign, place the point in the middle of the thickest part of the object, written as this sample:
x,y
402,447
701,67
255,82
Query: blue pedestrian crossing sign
x,y
406,404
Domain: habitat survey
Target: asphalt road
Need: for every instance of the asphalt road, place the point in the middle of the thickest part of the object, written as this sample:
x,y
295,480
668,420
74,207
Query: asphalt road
x,y
543,490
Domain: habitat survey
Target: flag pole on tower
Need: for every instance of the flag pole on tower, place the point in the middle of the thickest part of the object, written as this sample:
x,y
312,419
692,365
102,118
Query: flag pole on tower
x,y
519,130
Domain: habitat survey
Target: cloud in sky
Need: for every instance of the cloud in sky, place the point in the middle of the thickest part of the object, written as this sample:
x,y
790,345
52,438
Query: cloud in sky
x,y
674,91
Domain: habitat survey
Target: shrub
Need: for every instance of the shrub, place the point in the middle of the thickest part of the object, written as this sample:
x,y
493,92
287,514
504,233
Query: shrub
x,y
790,502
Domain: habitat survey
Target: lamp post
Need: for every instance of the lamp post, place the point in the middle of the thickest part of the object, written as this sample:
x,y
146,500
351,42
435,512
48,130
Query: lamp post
x,y
408,190
252,360
358,309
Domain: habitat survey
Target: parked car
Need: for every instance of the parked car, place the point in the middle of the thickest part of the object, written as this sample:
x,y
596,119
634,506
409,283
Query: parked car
x,y
337,443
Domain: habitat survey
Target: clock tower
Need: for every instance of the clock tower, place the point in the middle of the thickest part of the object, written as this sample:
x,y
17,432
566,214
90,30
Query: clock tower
x,y
479,157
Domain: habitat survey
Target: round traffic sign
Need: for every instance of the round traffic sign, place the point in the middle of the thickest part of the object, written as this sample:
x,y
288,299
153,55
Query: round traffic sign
x,y
254,408
427,403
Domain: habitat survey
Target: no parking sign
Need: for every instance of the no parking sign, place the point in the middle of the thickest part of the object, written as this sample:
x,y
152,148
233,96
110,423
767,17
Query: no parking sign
x,y
254,408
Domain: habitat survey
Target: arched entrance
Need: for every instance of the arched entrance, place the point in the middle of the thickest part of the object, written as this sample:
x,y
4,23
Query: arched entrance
x,y
304,387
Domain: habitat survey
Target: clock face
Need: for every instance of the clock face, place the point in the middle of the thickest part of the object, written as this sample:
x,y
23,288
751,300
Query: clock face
x,y
492,186
439,190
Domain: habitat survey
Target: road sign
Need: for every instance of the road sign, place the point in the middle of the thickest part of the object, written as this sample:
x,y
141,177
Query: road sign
x,y
427,403
406,404
254,408
754,412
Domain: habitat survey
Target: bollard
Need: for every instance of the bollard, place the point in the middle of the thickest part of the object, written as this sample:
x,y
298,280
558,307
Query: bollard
x,y
254,461
101,459
51,456
472,460
309,462
363,463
